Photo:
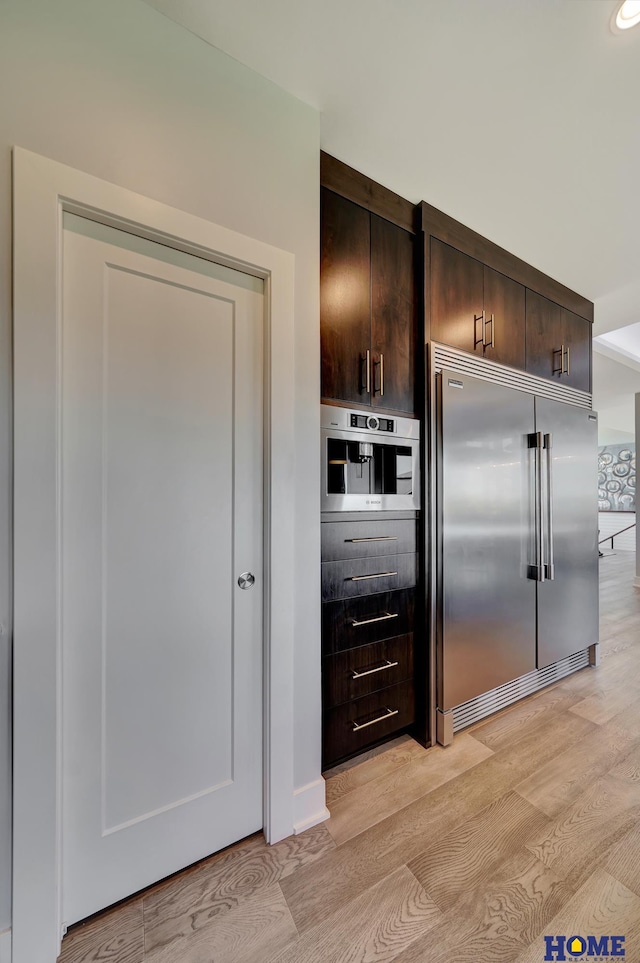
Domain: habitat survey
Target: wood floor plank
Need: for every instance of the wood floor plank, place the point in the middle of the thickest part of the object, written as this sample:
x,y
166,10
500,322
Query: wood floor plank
x,y
468,854
493,922
190,900
525,717
602,905
240,936
553,787
351,775
624,860
392,791
378,926
580,837
604,707
116,936
359,863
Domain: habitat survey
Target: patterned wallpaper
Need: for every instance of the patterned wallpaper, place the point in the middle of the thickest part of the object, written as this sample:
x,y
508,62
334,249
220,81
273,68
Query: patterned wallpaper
x,y
617,478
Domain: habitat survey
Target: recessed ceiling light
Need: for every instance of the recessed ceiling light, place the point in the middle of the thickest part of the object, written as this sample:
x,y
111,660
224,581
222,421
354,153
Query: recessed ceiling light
x,y
627,15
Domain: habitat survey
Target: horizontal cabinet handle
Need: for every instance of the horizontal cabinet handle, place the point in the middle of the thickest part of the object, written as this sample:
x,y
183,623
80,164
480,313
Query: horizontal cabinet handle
x,y
374,538
378,618
363,578
387,715
378,668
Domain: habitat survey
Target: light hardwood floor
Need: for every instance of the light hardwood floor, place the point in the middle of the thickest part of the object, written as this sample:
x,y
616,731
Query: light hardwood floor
x,y
529,824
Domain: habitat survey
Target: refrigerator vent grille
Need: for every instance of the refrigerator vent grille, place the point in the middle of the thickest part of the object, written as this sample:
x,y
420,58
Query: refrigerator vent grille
x,y
454,360
504,695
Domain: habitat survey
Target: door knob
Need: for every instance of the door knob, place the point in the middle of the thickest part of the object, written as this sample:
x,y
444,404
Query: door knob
x,y
246,580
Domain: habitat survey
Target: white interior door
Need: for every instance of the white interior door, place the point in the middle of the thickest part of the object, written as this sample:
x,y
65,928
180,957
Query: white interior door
x,y
161,493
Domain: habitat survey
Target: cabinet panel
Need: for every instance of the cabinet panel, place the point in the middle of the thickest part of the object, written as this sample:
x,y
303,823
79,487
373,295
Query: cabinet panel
x,y
543,336
576,336
558,343
504,302
341,540
345,306
364,576
456,297
350,727
350,623
393,316
359,672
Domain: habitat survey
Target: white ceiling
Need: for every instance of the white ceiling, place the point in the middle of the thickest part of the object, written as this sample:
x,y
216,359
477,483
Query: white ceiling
x,y
520,118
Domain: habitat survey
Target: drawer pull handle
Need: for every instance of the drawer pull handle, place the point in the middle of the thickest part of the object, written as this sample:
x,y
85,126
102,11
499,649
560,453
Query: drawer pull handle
x,y
363,578
387,715
378,618
375,538
378,668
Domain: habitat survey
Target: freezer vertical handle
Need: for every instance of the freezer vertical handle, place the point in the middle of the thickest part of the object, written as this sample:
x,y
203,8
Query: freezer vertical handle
x,y
549,568
537,570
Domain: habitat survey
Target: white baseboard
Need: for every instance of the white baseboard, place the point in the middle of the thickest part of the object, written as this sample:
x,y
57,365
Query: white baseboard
x,y
309,807
5,947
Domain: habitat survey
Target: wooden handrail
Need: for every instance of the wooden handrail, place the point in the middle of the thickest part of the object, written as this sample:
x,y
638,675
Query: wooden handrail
x,y
615,534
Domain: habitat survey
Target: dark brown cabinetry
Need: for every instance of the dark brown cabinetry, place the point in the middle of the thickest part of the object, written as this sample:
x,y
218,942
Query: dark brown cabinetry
x,y
367,631
476,308
558,343
368,316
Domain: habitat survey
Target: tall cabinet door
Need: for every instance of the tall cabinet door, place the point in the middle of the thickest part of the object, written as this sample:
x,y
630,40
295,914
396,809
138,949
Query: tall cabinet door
x,y
568,600
485,495
345,299
504,303
393,316
456,298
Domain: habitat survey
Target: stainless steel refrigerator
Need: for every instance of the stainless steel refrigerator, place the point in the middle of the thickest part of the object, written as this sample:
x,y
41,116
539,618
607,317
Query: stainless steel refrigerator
x,y
517,534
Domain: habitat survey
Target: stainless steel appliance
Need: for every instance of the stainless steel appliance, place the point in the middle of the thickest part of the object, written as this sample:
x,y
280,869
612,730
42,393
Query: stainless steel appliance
x,y
517,534
369,462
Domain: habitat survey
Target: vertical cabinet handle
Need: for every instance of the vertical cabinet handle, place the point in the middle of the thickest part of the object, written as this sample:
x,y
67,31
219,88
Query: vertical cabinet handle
x,y
379,364
367,364
478,340
489,344
566,368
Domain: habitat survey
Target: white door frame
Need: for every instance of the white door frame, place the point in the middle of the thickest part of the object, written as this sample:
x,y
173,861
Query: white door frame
x,y
43,190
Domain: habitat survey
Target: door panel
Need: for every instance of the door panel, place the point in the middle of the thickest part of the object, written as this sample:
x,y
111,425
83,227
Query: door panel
x,y
576,335
488,632
568,605
456,298
345,298
544,336
393,316
162,652
504,301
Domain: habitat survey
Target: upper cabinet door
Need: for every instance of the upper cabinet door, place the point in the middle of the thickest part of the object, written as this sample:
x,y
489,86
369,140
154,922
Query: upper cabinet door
x,y
558,343
544,338
393,317
504,308
456,298
345,305
576,336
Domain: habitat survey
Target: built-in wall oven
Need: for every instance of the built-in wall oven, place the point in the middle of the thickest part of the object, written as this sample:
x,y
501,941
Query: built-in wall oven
x,y
369,462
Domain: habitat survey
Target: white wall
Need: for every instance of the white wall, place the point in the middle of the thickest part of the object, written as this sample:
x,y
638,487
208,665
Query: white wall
x,y
119,91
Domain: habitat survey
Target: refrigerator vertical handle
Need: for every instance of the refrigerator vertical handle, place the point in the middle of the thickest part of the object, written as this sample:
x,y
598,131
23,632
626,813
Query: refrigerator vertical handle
x,y
537,570
549,569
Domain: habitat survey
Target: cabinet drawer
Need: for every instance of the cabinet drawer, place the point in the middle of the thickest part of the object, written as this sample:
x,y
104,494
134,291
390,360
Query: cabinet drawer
x,y
343,540
351,623
349,728
359,672
366,576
